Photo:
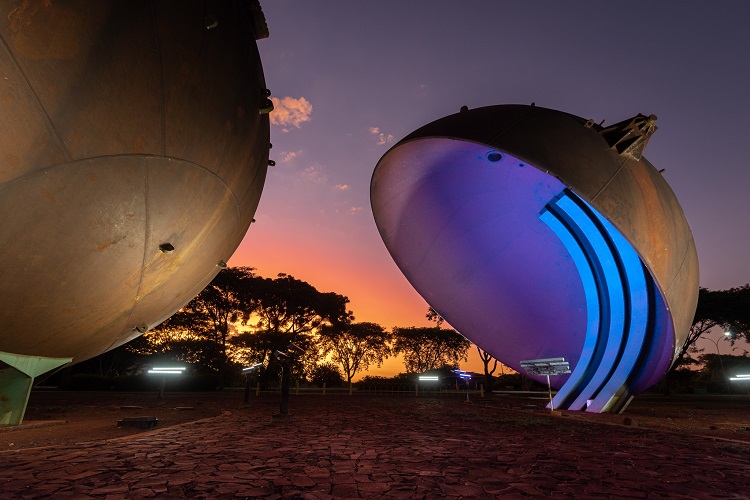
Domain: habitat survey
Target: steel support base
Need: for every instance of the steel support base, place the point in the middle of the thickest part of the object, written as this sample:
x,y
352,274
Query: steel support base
x,y
17,373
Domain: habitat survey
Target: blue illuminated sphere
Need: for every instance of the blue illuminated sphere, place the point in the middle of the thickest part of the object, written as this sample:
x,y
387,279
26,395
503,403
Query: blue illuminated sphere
x,y
539,234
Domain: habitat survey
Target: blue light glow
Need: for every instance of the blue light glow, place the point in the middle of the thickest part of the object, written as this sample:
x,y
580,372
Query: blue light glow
x,y
637,293
617,291
592,305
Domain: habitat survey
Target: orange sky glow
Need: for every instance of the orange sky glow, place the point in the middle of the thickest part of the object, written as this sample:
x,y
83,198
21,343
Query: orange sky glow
x,y
376,289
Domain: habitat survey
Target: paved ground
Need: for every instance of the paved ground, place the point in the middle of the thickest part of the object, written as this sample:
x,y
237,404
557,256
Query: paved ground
x,y
385,447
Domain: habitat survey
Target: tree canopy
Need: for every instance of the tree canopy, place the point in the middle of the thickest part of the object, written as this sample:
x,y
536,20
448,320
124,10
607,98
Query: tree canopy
x,y
289,311
356,346
725,309
428,348
199,332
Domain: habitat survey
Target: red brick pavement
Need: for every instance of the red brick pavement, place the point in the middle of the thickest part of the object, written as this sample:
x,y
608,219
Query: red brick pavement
x,y
383,447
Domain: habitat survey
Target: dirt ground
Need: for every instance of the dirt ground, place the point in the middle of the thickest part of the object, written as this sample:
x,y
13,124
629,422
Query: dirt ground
x,y
63,418
721,416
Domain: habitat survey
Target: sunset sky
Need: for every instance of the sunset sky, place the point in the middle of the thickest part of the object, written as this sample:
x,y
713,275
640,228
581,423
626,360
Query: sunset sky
x,y
350,79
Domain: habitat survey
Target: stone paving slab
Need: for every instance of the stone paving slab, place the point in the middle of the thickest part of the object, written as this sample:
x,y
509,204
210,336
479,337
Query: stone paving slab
x,y
383,447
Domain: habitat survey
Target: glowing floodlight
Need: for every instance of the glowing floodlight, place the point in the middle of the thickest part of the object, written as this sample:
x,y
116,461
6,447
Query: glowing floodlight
x,y
462,374
536,233
176,370
428,378
741,378
165,371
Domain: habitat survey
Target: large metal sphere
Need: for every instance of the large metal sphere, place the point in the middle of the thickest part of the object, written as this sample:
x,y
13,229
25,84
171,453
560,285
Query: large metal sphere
x,y
538,234
128,129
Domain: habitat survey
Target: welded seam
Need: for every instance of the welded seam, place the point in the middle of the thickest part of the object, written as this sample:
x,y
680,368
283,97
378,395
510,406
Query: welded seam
x,y
145,251
36,98
126,155
513,124
619,169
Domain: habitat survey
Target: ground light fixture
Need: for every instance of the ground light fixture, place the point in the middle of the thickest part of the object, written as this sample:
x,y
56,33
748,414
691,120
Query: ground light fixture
x,y
742,377
247,371
250,369
463,376
547,366
727,335
165,371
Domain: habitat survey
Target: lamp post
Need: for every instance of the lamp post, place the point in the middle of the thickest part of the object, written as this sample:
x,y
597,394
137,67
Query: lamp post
x,y
247,371
164,372
721,363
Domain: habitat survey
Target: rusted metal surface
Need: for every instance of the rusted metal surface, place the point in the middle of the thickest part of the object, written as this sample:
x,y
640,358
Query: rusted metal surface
x,y
126,126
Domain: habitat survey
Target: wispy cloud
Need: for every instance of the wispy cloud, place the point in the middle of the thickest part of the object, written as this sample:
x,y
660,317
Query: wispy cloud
x,y
342,187
344,210
289,111
314,174
287,156
382,137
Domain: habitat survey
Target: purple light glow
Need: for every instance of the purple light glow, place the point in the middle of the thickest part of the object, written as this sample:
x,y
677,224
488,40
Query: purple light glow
x,y
545,242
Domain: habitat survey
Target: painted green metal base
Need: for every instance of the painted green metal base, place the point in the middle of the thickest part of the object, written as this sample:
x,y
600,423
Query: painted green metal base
x,y
17,373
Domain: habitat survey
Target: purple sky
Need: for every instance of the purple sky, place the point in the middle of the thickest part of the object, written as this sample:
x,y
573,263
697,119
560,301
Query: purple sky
x,y
362,75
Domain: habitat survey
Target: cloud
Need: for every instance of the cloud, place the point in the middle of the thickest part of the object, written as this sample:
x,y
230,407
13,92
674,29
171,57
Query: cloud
x,y
289,111
344,210
289,156
382,138
342,187
314,174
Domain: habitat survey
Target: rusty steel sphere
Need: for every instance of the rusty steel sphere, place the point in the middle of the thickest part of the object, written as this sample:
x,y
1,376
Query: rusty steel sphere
x,y
133,151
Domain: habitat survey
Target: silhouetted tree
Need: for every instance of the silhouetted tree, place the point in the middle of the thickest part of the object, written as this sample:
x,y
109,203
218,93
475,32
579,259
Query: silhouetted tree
x,y
428,348
486,358
435,317
289,311
199,332
355,346
726,309
327,373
